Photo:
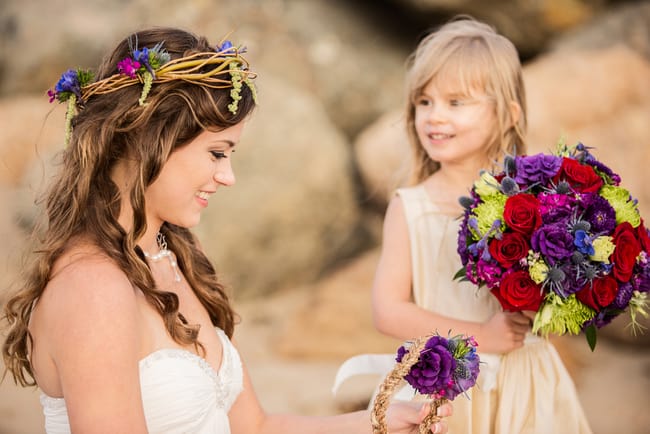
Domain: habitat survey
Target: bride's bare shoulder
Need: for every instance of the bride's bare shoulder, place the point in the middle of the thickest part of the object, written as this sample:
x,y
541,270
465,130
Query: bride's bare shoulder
x,y
85,276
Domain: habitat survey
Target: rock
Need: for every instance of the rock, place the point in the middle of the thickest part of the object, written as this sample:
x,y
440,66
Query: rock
x,y
337,311
293,211
587,96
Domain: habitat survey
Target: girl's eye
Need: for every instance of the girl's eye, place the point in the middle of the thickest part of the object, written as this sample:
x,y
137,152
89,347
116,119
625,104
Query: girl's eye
x,y
456,102
422,102
218,154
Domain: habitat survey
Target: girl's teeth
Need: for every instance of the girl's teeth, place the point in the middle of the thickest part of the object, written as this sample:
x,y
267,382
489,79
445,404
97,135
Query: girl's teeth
x,y
203,195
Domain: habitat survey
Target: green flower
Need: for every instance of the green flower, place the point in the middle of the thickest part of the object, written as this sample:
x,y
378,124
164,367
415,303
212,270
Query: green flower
x,y
489,211
603,249
486,185
236,78
638,306
146,87
559,316
625,208
537,268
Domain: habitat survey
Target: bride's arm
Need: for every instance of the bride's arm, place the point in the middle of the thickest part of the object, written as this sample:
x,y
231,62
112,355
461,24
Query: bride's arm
x,y
85,327
248,417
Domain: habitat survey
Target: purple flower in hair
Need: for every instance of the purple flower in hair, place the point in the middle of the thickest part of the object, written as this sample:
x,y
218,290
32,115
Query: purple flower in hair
x,y
128,67
225,46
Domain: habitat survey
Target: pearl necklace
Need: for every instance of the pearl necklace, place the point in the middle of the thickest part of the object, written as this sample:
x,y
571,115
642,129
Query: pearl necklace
x,y
164,252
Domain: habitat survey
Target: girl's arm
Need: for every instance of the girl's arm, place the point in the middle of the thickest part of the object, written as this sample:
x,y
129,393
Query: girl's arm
x,y
248,417
395,314
85,328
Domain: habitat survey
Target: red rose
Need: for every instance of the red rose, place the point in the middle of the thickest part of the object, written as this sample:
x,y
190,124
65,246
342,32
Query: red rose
x,y
625,253
600,293
509,249
518,292
643,236
582,177
521,213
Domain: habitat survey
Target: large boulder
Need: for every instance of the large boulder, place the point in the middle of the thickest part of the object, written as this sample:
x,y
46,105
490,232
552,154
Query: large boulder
x,y
293,210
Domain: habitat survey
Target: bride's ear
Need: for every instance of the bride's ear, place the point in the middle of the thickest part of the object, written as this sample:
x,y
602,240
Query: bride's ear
x,y
515,113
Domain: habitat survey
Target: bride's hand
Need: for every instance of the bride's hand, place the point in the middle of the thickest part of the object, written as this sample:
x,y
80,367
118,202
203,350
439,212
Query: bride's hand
x,y
405,417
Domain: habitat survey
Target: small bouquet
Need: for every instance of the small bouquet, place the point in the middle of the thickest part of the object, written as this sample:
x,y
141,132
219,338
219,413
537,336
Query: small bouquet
x,y
556,234
441,368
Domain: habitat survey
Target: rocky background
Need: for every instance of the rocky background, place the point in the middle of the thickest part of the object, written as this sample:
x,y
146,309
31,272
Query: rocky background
x,y
297,238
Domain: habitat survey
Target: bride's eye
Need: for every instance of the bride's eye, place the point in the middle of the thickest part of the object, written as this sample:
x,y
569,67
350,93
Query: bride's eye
x,y
218,155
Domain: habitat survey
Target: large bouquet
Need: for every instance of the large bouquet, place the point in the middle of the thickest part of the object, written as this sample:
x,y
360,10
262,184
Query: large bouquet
x,y
556,234
441,368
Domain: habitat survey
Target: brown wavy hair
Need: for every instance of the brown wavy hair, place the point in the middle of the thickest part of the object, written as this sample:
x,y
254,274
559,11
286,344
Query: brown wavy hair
x,y
83,202
477,57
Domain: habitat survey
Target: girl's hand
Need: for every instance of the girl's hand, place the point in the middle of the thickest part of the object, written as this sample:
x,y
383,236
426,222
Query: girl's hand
x,y
504,332
405,417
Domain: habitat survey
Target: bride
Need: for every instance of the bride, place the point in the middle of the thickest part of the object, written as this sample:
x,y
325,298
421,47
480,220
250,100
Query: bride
x,y
121,320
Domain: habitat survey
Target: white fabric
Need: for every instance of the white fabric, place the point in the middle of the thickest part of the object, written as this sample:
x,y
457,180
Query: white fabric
x,y
181,393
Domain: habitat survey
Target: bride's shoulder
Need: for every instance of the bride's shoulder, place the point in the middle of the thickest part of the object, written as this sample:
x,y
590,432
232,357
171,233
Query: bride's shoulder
x,y
85,277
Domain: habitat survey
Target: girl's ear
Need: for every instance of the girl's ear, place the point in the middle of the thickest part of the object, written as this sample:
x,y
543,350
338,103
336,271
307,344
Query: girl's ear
x,y
515,113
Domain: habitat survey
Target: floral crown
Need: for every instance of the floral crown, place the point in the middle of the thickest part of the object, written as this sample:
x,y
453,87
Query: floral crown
x,y
220,69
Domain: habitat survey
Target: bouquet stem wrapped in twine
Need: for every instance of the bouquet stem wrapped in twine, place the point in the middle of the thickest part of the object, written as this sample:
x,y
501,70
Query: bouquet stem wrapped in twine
x,y
390,383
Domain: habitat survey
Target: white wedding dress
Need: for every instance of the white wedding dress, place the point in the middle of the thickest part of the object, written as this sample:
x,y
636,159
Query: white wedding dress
x,y
181,393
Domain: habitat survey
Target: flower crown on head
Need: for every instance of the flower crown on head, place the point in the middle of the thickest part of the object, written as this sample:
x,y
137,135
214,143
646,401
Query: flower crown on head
x,y
220,69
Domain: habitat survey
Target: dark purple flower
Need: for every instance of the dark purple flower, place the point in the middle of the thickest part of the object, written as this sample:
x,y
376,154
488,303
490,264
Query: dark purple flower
x,y
575,277
600,167
641,280
489,272
434,370
462,250
536,168
465,374
555,207
602,318
623,296
554,242
599,213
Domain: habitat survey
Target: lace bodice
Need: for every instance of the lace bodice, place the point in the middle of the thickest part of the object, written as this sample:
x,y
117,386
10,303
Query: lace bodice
x,y
181,393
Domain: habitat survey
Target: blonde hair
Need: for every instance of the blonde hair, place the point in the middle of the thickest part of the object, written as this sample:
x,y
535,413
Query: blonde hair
x,y
475,55
84,203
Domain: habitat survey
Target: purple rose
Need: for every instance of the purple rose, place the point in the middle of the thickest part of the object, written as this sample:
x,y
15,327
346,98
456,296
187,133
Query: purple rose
x,y
554,242
536,168
434,370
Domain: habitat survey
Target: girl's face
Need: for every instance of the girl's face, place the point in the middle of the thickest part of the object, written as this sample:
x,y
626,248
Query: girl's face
x,y
455,127
190,176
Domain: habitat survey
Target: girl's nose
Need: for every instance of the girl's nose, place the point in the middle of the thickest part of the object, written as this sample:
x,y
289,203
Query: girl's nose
x,y
224,174
437,113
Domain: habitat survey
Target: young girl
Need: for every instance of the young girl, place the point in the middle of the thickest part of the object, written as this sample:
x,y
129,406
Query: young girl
x,y
121,320
466,110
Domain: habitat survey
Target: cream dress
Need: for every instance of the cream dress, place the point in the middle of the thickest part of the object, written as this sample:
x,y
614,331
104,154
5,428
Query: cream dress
x,y
527,391
181,393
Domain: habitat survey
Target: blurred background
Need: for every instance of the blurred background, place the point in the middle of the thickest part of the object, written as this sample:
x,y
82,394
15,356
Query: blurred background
x,y
297,238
